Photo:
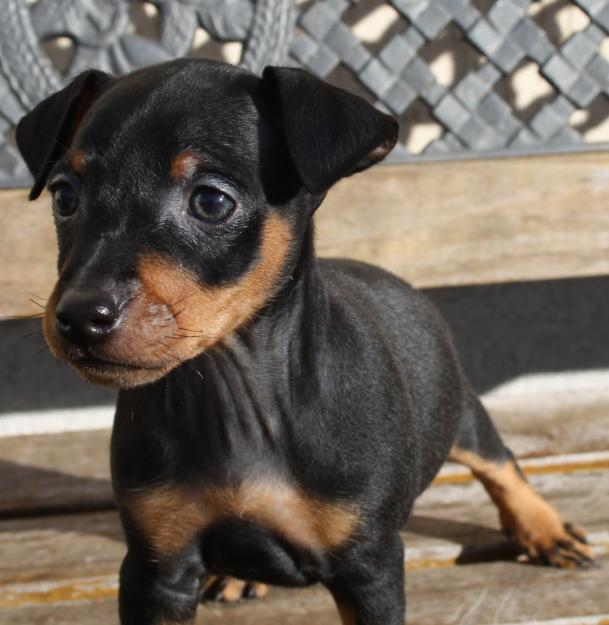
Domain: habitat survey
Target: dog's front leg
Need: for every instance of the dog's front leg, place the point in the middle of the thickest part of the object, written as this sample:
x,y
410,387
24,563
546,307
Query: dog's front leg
x,y
161,591
369,588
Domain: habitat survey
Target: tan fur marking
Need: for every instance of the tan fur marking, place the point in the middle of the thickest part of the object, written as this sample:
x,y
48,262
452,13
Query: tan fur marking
x,y
78,160
524,514
126,346
48,324
261,590
206,315
170,517
174,318
233,591
380,151
229,589
347,614
184,165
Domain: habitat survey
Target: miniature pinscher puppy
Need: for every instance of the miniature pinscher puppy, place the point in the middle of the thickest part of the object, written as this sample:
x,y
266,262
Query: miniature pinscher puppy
x,y
278,414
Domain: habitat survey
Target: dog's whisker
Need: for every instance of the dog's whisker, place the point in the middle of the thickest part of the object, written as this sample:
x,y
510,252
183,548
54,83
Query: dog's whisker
x,y
177,314
22,317
182,299
33,301
184,336
35,356
190,330
192,366
35,296
169,353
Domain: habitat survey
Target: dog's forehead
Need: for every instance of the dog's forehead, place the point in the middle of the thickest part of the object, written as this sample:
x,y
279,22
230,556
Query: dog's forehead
x,y
168,109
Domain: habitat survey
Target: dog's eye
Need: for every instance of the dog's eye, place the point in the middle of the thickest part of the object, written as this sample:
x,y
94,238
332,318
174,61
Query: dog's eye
x,y
211,204
65,199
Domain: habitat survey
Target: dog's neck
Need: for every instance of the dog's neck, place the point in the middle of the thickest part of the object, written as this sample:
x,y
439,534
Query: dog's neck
x,y
280,345
237,401
286,333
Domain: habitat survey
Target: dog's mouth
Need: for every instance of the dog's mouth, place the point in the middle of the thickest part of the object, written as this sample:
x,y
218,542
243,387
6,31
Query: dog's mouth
x,y
97,362
141,350
112,372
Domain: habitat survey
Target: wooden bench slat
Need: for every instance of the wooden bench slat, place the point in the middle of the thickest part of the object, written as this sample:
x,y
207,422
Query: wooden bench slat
x,y
64,547
435,224
71,470
472,222
490,594
67,566
56,471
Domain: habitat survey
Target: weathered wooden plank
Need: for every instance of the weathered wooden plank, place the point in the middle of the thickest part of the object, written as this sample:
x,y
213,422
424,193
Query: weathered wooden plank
x,y
58,550
462,511
448,524
469,222
27,253
436,224
55,472
67,562
71,470
313,605
569,422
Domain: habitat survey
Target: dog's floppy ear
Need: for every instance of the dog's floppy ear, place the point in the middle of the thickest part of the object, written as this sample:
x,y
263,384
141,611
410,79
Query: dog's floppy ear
x,y
46,132
330,132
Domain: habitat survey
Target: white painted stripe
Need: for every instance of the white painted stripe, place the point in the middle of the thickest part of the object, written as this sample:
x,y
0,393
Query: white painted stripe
x,y
56,421
564,383
596,619
537,394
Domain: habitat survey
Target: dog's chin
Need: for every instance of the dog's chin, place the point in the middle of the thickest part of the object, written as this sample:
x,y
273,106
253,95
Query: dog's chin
x,y
117,374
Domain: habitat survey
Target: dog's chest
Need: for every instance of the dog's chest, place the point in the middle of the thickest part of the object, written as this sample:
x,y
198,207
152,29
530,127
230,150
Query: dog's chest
x,y
171,517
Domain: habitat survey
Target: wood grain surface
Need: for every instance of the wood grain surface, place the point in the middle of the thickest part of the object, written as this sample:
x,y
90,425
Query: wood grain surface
x,y
70,470
65,567
468,222
435,224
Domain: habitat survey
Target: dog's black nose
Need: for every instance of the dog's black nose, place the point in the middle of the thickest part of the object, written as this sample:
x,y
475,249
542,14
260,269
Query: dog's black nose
x,y
85,317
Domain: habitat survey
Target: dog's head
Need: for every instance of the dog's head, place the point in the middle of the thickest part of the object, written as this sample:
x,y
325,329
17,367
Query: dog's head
x,y
182,194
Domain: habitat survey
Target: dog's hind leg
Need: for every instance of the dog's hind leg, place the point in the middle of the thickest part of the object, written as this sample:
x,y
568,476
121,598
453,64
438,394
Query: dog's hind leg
x,y
524,514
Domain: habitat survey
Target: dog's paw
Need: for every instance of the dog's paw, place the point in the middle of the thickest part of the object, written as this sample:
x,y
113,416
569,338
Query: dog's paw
x,y
230,590
538,528
567,549
545,538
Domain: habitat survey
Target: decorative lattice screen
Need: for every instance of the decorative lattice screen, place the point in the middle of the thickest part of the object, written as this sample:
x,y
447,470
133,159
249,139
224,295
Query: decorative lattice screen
x,y
483,76
463,76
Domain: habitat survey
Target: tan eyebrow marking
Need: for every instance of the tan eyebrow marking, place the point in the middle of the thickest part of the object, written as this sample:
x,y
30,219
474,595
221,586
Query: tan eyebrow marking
x,y
78,160
184,165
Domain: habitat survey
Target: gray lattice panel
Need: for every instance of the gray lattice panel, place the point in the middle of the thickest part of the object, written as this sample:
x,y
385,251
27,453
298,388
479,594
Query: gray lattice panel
x,y
396,75
103,37
474,116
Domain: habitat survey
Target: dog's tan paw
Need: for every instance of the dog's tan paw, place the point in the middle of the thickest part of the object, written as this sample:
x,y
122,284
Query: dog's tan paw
x,y
569,549
546,539
230,590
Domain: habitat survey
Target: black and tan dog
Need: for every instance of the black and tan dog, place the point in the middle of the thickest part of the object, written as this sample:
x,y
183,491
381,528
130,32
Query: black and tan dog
x,y
278,415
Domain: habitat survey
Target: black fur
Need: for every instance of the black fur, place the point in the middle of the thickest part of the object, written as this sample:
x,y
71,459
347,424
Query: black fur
x,y
346,382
